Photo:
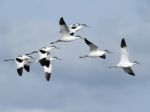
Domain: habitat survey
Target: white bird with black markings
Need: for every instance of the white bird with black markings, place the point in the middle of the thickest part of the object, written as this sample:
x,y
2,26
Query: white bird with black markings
x,y
124,63
65,32
22,62
95,51
73,28
44,55
48,69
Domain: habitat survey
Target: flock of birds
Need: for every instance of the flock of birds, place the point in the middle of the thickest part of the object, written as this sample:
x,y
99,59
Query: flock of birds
x,y
68,34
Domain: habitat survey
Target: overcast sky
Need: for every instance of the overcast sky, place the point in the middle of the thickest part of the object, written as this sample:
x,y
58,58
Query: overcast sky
x,y
76,85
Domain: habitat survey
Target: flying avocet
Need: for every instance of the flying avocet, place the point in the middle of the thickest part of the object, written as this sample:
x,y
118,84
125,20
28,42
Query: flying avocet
x,y
124,63
74,27
43,55
94,51
65,32
22,62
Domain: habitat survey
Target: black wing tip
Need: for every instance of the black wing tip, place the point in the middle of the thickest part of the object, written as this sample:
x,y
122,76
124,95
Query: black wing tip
x,y
47,76
20,71
27,68
103,56
123,43
87,41
61,18
131,74
62,22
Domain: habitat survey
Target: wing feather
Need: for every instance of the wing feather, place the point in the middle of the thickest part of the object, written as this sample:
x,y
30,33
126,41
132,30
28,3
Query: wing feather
x,y
92,46
64,29
48,71
124,51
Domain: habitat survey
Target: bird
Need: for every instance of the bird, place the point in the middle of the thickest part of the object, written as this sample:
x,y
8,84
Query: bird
x,y
48,69
22,62
43,55
74,27
124,63
95,51
65,32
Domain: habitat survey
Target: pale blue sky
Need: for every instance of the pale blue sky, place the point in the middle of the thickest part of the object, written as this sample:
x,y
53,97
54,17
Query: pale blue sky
x,y
76,85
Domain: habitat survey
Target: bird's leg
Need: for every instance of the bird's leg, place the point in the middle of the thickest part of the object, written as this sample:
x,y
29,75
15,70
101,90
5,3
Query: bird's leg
x,y
84,56
55,42
32,52
112,66
9,60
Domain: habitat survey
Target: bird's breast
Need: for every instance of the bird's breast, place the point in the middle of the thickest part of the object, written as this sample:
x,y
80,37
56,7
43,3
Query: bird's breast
x,y
68,38
96,53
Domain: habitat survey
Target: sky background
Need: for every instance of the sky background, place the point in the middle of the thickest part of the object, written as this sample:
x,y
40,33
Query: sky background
x,y
76,85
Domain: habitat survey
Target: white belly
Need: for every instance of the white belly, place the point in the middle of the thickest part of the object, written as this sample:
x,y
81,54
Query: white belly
x,y
125,64
96,53
68,39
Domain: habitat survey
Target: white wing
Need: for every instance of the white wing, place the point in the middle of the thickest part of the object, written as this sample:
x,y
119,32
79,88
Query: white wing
x,y
63,27
124,55
124,51
20,65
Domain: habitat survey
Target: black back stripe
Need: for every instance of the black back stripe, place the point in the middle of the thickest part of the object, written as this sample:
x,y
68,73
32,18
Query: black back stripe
x,y
44,62
42,51
19,60
73,27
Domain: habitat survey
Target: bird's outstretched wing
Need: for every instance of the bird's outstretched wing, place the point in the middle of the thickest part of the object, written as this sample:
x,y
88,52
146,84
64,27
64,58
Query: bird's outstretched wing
x,y
20,65
92,46
47,71
64,29
124,51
